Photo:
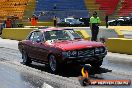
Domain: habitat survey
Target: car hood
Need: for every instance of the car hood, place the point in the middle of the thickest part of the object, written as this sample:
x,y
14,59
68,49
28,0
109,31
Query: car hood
x,y
75,44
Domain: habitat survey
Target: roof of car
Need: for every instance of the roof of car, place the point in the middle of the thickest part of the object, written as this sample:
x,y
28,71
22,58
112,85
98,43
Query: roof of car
x,y
50,29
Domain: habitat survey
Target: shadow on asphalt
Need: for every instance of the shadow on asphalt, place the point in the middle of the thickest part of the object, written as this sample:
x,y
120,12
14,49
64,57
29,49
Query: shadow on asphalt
x,y
72,70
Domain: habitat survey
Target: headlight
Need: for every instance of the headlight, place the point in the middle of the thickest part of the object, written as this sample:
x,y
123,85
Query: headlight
x,y
97,50
103,49
69,54
100,50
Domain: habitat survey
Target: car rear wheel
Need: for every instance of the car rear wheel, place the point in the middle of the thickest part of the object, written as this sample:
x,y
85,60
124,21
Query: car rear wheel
x,y
26,59
96,64
53,64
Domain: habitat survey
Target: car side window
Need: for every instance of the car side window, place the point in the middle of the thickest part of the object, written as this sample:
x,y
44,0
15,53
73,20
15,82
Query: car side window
x,y
31,36
35,36
39,36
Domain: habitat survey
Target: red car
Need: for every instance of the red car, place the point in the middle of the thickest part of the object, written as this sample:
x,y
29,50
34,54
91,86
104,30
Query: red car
x,y
59,46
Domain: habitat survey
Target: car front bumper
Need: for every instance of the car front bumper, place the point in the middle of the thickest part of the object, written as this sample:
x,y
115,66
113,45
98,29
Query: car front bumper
x,y
86,59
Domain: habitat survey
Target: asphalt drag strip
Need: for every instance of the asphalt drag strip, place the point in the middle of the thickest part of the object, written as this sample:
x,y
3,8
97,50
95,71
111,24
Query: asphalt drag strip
x,y
16,75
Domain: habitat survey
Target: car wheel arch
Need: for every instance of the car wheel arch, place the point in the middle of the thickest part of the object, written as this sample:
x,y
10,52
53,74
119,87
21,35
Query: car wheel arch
x,y
49,55
23,50
53,55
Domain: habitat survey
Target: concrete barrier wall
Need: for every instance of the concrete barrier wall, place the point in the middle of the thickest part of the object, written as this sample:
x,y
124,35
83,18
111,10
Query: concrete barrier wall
x,y
103,32
121,27
119,45
119,33
84,34
119,30
21,33
15,34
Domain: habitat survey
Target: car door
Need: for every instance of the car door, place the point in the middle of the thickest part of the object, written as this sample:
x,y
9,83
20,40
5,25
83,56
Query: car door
x,y
39,47
31,45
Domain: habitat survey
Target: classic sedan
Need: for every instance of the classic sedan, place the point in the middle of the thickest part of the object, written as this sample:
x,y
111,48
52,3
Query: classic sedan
x,y
58,46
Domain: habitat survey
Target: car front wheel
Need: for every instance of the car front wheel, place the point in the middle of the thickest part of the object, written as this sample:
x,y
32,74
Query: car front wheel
x,y
53,64
26,59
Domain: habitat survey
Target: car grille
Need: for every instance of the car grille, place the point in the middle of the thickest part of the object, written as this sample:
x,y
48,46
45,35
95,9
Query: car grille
x,y
86,52
91,52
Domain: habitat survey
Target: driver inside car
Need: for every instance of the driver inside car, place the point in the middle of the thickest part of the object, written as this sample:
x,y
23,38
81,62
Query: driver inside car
x,y
47,36
61,35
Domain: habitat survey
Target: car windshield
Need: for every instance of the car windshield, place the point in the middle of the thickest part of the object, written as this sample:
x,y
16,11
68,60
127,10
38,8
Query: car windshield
x,y
61,35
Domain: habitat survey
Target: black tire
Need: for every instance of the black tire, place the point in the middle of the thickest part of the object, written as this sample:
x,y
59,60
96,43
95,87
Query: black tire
x,y
53,64
26,59
96,64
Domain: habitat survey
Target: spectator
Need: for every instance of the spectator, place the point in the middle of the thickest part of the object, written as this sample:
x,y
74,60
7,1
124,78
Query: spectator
x,y
55,21
14,22
33,20
106,21
94,26
8,23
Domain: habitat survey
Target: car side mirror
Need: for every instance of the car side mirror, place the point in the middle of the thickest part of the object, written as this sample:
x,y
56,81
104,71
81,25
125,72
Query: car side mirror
x,y
38,41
